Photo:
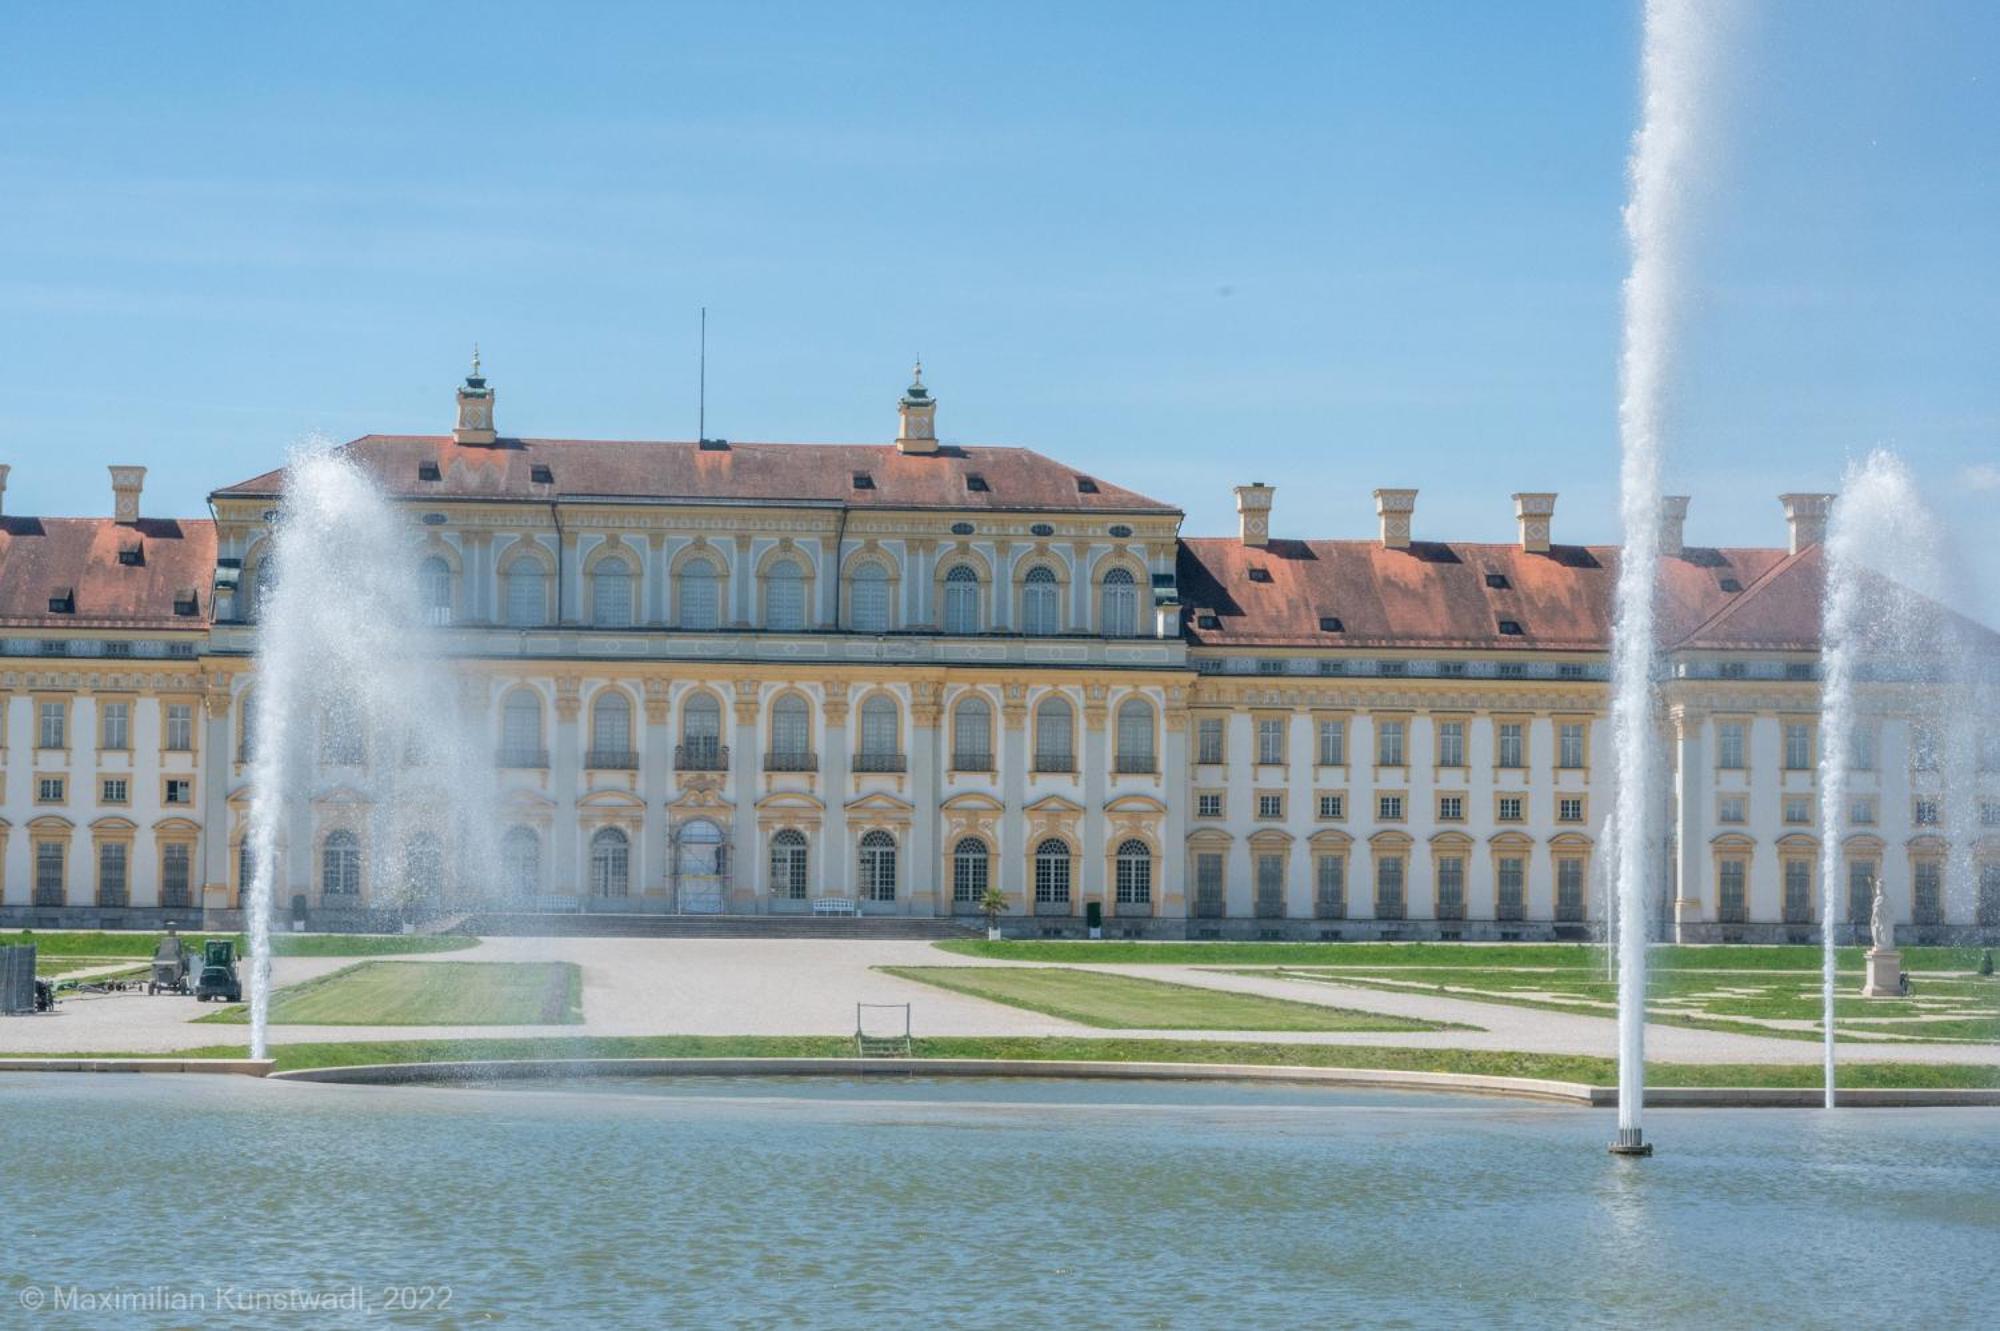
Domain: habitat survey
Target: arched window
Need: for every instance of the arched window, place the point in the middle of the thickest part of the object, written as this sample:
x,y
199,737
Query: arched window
x,y
788,865
434,582
343,742
1052,873
1135,736
961,599
611,593
521,862
869,608
791,734
878,737
968,871
878,866
521,730
1118,613
527,594
1135,873
972,736
784,597
611,730
701,734
1054,751
697,595
1041,602
701,867
339,864
610,863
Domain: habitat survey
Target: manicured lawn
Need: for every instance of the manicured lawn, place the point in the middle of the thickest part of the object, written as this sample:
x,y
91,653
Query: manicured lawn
x,y
1121,1002
1556,1067
1967,1009
1456,955
98,945
430,993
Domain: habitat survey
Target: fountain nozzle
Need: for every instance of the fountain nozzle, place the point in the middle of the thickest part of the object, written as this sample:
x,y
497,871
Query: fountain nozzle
x,y
1631,1142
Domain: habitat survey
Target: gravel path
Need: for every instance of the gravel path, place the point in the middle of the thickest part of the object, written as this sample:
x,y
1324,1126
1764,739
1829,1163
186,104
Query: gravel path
x,y
649,986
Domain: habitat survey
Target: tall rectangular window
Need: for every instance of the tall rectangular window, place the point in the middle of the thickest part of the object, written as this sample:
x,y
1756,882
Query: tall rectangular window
x,y
1332,743
48,873
1208,885
111,877
180,726
1732,902
1798,746
1451,744
1729,745
1270,887
1208,740
1451,887
1928,903
1389,904
1389,743
1923,748
1511,901
1271,740
1569,891
116,725
1330,887
1798,892
1569,744
174,889
55,726
1513,744
1861,876
1861,748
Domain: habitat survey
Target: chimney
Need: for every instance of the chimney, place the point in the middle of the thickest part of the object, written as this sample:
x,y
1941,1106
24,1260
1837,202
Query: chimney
x,y
1673,525
126,482
1395,508
917,414
1167,619
1536,514
1253,512
475,408
1806,514
4,469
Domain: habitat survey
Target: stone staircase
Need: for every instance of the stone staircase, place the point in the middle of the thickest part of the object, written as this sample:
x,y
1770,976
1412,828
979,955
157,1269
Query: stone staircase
x,y
596,924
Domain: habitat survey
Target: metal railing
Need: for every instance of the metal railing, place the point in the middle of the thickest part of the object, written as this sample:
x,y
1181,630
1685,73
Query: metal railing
x,y
701,755
611,760
522,758
791,762
1129,764
971,762
880,762
1055,762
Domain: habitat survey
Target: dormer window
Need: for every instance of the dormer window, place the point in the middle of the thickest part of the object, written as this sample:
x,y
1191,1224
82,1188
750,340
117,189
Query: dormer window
x,y
428,471
539,474
63,601
1258,573
976,483
132,556
863,481
1497,582
1731,585
714,446
186,603
1207,620
1331,624
1085,486
1510,628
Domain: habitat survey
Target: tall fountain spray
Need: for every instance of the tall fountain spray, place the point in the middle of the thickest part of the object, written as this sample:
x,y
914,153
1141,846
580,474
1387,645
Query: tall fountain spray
x,y
355,699
1675,61
1889,645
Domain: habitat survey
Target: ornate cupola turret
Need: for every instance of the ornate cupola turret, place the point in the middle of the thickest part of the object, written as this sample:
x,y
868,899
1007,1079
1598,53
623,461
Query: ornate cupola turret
x,y
918,411
475,408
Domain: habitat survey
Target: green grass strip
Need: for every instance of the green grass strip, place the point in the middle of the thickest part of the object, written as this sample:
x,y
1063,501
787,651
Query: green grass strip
x,y
1663,957
429,993
115,945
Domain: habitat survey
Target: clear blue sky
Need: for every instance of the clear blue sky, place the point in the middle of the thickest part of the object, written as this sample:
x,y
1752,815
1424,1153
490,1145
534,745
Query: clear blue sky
x,y
1329,246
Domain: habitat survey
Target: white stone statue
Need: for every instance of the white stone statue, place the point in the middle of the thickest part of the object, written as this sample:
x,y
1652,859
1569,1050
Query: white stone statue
x,y
1880,925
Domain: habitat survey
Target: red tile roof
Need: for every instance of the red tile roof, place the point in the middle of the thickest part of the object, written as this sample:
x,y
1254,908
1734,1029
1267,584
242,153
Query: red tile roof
x,y
1435,594
45,558
1015,478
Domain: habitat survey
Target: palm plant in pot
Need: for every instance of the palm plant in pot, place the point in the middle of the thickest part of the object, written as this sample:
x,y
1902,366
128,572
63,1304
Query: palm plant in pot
x,y
990,905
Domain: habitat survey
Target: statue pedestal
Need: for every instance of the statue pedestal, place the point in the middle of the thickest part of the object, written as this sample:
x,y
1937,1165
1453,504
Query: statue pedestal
x,y
1885,974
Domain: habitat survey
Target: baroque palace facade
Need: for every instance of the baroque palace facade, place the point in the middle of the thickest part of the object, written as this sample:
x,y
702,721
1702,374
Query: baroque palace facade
x,y
771,678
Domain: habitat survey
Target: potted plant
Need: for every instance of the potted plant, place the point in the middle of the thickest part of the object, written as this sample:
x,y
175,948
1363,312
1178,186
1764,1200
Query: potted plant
x,y
990,905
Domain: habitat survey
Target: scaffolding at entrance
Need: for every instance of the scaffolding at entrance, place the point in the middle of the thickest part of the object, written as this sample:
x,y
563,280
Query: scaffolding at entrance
x,y
698,866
